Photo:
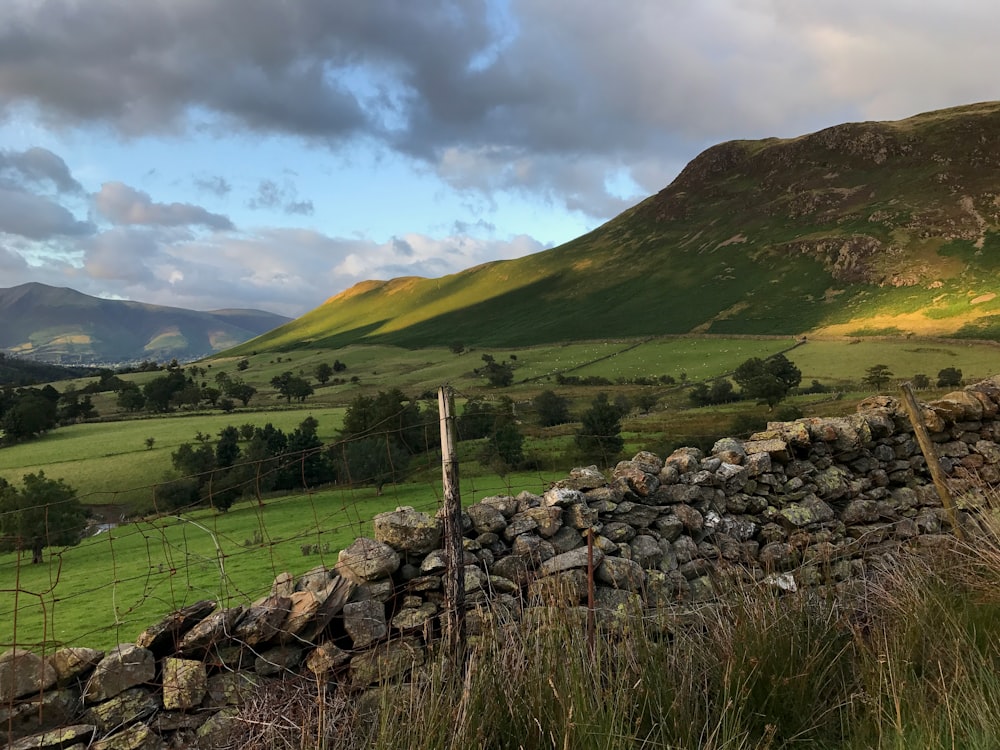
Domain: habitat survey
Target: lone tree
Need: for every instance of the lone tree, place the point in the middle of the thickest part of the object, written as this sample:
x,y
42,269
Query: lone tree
x,y
500,374
599,437
504,448
375,461
30,414
552,409
43,513
949,377
291,386
767,380
877,376
379,436
236,388
323,373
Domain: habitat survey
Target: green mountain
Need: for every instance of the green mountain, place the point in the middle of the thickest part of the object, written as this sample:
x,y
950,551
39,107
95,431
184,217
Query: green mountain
x,y
862,228
61,325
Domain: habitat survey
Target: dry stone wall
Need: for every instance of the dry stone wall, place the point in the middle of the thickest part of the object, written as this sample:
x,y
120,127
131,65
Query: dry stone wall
x,y
802,504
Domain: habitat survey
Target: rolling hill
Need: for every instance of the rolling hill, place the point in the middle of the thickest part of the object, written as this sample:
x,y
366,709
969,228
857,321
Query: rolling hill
x,y
863,228
61,325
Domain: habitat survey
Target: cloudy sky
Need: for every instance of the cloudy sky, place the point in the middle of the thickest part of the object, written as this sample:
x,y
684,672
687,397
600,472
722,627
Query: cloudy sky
x,y
271,153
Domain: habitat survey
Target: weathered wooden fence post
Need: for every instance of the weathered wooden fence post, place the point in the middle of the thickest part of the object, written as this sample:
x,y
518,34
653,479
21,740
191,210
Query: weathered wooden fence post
x,y
454,585
591,624
931,456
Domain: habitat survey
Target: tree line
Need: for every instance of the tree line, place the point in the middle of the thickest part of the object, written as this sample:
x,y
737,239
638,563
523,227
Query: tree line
x,y
375,445
29,412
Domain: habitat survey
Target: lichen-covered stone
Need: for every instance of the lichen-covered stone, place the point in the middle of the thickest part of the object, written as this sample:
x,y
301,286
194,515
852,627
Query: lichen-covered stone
x,y
367,560
49,710
414,618
581,478
216,629
566,588
639,481
388,661
278,660
323,660
164,637
230,689
73,662
811,510
262,621
775,447
577,558
365,622
125,666
184,683
548,520
486,518
619,573
314,580
24,673
73,736
128,707
408,530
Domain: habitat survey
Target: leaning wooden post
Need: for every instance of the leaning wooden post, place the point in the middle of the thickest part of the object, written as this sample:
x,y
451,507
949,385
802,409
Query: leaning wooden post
x,y
454,588
931,456
591,624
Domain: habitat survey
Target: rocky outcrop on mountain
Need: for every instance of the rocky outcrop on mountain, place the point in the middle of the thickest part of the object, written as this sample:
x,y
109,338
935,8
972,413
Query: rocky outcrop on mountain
x,y
805,504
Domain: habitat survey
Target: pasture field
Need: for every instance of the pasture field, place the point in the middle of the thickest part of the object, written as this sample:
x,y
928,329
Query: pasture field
x,y
838,361
111,586
833,361
108,462
698,358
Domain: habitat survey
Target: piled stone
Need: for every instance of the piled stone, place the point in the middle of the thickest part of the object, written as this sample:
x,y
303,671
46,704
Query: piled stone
x,y
803,503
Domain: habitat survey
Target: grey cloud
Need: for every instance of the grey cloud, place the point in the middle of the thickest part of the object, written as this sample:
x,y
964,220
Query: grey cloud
x,y
269,195
124,255
303,208
11,261
402,247
37,217
215,184
122,204
465,227
272,196
274,67
522,85
38,165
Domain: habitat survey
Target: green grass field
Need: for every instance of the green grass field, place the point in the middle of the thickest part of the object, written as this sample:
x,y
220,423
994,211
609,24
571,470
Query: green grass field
x,y
109,587
839,361
108,462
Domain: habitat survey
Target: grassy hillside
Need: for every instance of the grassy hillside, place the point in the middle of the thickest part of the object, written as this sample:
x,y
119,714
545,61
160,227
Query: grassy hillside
x,y
867,228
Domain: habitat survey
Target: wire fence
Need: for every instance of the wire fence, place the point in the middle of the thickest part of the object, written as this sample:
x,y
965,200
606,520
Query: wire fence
x,y
124,575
